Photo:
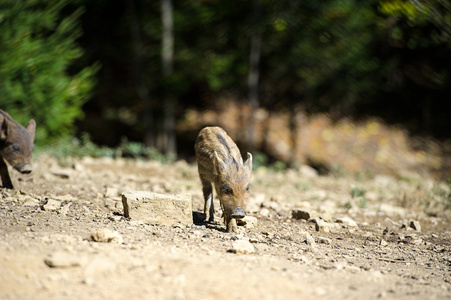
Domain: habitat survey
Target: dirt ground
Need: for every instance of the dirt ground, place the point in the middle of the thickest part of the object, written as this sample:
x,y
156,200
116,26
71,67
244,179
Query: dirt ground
x,y
50,216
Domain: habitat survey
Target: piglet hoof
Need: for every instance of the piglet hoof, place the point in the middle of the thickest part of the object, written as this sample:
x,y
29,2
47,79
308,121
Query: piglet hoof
x,y
231,226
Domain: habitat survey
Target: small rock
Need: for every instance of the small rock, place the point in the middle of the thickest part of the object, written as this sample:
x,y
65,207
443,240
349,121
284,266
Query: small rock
x,y
303,213
308,171
308,238
31,203
321,225
62,173
347,221
247,221
415,225
62,260
106,236
264,212
51,205
323,240
326,217
242,247
383,243
115,218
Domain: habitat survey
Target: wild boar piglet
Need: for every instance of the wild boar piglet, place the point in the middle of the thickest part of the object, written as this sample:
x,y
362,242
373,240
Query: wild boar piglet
x,y
16,144
220,164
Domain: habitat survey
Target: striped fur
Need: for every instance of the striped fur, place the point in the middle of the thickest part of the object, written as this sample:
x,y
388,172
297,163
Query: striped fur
x,y
220,163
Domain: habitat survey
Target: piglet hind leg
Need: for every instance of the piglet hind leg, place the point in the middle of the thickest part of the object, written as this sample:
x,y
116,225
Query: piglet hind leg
x,y
209,209
6,180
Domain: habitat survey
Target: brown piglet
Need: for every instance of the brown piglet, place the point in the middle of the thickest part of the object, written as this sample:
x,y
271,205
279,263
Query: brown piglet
x,y
220,163
16,144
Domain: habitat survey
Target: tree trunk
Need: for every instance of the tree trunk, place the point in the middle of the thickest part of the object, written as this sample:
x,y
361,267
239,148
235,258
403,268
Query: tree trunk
x,y
254,72
167,57
141,88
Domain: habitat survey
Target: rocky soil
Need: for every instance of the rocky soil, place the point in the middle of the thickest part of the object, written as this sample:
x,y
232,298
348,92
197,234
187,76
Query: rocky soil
x,y
63,236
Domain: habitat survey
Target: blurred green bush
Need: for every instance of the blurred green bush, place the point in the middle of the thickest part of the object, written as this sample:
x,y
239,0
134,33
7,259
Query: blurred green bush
x,y
39,79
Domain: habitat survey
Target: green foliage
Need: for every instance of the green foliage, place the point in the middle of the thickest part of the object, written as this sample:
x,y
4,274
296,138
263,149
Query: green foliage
x,y
140,151
37,48
259,160
356,192
68,147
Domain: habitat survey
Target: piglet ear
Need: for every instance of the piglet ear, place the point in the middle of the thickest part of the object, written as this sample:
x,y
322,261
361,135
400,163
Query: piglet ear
x,y
3,128
218,164
31,127
248,162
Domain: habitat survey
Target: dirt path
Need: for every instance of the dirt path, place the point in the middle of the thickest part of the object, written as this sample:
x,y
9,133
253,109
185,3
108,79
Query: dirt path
x,y
375,259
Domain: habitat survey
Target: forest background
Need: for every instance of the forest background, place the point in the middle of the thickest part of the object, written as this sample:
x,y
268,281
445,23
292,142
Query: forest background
x,y
143,77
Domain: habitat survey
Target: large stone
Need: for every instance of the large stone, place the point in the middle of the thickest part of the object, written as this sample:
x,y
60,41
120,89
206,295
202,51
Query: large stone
x,y
158,209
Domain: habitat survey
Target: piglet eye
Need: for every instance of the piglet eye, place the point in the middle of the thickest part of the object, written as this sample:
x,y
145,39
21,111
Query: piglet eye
x,y
16,148
226,189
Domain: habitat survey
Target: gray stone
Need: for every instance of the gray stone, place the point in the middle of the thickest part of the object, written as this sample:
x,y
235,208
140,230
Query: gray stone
x,y
242,247
158,209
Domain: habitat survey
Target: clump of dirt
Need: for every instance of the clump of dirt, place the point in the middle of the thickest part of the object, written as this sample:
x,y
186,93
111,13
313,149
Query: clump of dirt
x,y
366,246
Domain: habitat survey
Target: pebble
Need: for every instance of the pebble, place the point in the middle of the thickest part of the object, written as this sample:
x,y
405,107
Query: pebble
x,y
247,221
308,238
323,240
264,212
31,203
106,235
303,213
242,247
307,171
62,173
415,225
347,221
321,225
51,205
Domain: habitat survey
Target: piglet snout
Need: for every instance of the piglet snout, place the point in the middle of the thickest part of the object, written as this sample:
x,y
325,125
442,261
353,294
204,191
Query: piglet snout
x,y
238,213
26,169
